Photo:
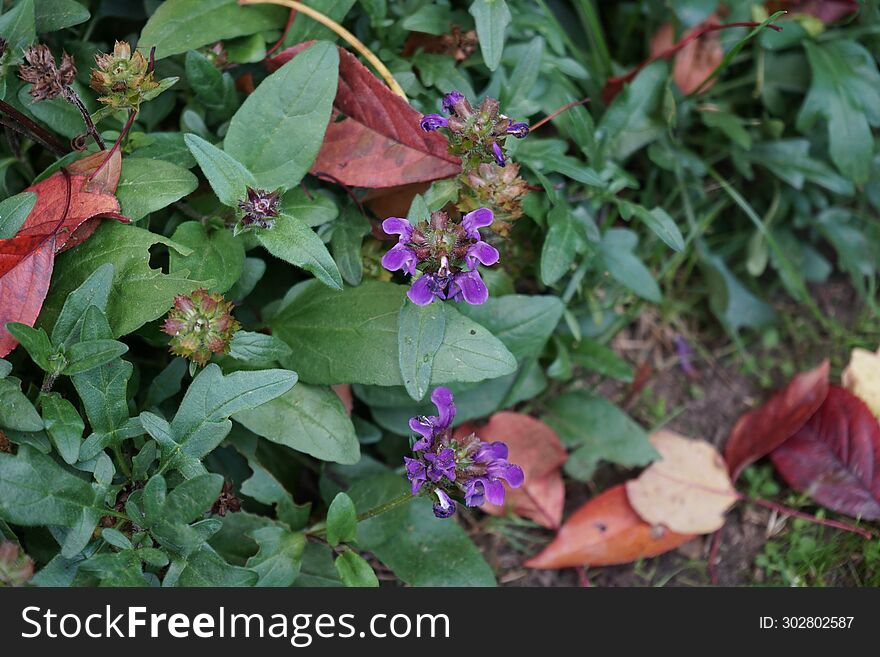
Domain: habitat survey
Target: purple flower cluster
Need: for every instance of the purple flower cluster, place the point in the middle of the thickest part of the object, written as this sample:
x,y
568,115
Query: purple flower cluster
x,y
466,467
475,134
446,252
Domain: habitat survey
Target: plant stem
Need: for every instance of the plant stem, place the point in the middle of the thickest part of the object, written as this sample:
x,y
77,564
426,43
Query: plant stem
x,y
23,125
330,24
319,529
121,463
73,98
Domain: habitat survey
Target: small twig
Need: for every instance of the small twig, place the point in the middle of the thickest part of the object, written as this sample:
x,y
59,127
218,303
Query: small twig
x,y
118,141
280,41
352,40
557,112
73,98
25,126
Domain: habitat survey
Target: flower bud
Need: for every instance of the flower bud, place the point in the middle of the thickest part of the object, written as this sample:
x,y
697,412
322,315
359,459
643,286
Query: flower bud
x,y
200,324
124,78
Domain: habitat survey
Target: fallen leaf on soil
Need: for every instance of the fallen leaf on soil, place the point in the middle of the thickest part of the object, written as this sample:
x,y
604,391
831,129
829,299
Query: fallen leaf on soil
x,y
759,432
835,457
695,61
68,209
688,490
862,378
375,139
536,448
604,532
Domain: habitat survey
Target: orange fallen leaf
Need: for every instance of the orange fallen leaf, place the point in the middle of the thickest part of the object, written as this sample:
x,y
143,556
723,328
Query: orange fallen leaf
x,y
604,532
687,490
695,61
536,448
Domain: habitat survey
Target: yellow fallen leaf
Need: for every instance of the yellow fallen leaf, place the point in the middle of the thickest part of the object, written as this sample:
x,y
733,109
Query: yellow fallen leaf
x,y
862,378
688,490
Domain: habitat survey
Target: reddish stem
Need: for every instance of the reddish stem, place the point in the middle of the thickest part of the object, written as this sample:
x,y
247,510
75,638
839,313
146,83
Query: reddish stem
x,y
674,48
331,178
779,508
118,141
557,112
278,43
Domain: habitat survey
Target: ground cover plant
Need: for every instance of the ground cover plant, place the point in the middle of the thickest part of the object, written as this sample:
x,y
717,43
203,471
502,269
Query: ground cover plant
x,y
423,293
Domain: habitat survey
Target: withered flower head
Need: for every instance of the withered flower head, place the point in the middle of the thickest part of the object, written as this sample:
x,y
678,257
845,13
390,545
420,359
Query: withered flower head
x,y
48,80
124,78
200,324
260,209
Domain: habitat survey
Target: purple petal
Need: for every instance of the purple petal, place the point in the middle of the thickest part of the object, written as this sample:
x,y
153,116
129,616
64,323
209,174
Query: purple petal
x,y
450,99
430,122
421,292
422,426
471,288
494,492
481,252
400,257
491,452
498,154
518,130
473,221
445,402
475,492
398,226
514,476
445,507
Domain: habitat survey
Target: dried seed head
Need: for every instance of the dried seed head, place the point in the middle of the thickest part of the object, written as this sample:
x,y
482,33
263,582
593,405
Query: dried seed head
x,y
47,79
200,324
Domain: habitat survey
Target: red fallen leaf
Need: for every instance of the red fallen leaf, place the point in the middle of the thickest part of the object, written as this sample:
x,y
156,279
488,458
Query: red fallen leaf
x,y
827,11
835,457
378,143
536,449
67,211
759,432
394,201
695,61
605,532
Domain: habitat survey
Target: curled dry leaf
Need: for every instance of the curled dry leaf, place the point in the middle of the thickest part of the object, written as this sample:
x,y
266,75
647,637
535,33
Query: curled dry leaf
x,y
536,448
688,490
759,432
604,532
862,378
375,139
695,61
69,205
835,457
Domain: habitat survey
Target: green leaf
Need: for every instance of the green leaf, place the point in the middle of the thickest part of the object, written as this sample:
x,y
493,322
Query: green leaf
x,y
616,250
280,556
36,491
279,128
205,567
302,31
202,420
228,177
846,92
631,122
94,291
341,520
789,160
420,333
729,300
296,243
36,343
344,337
515,98
523,323
181,25
116,569
216,256
257,347
492,18
659,221
599,431
317,568
84,356
63,424
308,419
16,411
149,185
421,549
560,245
13,212
139,294
312,208
354,570
345,244
206,80
265,488
597,357
55,15
18,27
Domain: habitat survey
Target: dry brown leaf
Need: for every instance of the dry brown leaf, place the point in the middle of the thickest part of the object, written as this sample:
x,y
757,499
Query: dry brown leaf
x,y
862,378
688,490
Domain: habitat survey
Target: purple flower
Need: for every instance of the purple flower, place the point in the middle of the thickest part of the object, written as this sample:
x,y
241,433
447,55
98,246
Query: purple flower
x,y
518,130
450,100
468,467
430,122
446,252
498,154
